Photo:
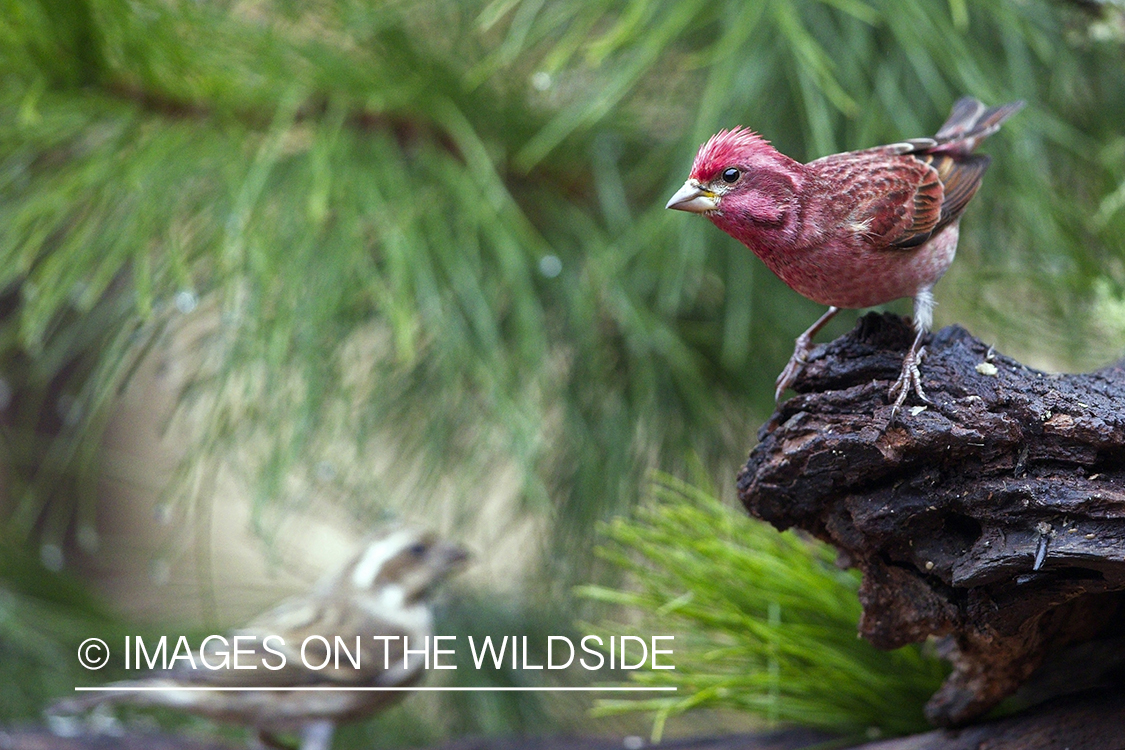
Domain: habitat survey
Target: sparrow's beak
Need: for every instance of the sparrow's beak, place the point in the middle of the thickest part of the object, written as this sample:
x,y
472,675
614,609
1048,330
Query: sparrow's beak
x,y
695,198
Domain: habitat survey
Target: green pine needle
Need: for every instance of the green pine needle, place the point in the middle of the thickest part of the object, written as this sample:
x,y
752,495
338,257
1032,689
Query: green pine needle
x,y
764,622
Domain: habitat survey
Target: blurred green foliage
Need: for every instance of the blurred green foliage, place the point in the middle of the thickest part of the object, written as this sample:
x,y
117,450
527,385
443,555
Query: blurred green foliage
x,y
43,618
437,228
763,622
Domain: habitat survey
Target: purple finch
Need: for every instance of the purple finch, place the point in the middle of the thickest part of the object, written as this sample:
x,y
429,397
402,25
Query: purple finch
x,y
850,230
383,591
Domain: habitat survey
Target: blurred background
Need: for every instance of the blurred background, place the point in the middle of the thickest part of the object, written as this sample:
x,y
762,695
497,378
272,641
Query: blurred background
x,y
275,271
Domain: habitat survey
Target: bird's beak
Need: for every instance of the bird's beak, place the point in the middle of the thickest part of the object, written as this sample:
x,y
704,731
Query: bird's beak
x,y
695,198
453,558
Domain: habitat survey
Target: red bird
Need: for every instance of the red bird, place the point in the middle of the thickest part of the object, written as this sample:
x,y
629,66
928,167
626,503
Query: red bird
x,y
851,230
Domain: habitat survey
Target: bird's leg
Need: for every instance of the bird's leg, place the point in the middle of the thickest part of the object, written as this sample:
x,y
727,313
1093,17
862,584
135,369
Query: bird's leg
x,y
800,354
317,735
910,378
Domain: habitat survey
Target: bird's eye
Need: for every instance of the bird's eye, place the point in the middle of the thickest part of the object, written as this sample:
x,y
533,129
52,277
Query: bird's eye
x,y
731,175
417,550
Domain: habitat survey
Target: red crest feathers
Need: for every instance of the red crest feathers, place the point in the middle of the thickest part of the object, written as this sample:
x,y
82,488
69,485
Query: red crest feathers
x,y
727,148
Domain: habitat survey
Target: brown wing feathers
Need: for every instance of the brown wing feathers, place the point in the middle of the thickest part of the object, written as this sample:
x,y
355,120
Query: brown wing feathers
x,y
958,171
940,199
960,176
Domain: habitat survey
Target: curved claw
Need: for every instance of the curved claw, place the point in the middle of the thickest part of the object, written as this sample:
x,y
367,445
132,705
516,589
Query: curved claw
x,y
800,356
789,375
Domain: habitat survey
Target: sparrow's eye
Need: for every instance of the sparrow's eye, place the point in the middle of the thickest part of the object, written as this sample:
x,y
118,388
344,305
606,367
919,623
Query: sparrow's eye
x,y
417,550
731,175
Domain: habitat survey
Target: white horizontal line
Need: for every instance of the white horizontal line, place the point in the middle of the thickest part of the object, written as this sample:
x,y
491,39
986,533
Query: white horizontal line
x,y
333,688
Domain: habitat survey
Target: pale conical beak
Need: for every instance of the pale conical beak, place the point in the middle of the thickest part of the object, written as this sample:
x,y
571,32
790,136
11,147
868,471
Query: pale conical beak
x,y
695,198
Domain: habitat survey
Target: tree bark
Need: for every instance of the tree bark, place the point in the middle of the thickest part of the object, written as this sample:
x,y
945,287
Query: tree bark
x,y
992,518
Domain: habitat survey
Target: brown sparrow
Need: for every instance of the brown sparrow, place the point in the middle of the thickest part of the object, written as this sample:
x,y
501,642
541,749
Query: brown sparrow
x,y
380,596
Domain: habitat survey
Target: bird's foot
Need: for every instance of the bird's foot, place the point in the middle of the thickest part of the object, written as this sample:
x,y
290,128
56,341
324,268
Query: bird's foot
x,y
800,356
796,364
909,379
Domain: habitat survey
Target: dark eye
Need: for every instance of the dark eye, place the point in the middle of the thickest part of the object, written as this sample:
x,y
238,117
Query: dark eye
x,y
731,175
417,550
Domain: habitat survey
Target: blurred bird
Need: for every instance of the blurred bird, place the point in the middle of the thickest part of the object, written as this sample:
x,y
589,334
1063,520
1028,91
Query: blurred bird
x,y
850,230
384,590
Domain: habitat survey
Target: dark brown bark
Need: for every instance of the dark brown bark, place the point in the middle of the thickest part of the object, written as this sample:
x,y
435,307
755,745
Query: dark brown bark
x,y
992,518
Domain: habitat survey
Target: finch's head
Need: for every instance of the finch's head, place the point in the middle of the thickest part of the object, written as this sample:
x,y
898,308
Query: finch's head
x,y
730,149
411,560
738,173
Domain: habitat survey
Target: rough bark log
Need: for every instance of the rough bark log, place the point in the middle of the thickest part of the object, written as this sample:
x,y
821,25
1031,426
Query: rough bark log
x,y
992,518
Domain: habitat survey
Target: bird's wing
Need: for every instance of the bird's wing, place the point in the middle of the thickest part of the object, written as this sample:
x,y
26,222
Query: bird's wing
x,y
278,645
327,625
214,664
960,177
894,200
903,193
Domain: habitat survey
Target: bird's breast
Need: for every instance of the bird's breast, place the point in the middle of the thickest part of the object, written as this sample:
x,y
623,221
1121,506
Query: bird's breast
x,y
847,272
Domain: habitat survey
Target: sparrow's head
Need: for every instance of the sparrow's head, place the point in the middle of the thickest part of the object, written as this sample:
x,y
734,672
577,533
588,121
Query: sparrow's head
x,y
407,559
739,175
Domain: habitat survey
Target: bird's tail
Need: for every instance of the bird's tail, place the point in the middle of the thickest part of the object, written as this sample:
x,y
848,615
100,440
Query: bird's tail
x,y
970,122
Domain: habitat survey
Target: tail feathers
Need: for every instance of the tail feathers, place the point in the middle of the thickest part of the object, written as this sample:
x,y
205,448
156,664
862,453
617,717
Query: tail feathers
x,y
970,122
